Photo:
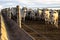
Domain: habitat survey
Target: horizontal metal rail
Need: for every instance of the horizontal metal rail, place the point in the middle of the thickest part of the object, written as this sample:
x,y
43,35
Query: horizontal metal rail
x,y
35,31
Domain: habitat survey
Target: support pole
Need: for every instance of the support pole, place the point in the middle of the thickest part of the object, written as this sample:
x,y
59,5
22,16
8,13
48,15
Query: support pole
x,y
9,12
18,16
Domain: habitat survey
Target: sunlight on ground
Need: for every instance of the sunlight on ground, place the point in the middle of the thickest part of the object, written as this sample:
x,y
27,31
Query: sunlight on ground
x,y
3,30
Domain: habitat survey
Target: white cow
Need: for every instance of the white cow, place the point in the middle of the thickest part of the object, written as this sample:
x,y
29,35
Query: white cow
x,y
24,15
55,18
24,12
47,16
39,14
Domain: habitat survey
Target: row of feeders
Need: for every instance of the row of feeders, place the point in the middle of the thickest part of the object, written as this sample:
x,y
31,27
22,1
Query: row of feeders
x,y
13,13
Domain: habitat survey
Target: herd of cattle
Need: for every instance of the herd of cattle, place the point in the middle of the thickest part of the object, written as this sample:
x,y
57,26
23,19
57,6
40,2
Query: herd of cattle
x,y
47,15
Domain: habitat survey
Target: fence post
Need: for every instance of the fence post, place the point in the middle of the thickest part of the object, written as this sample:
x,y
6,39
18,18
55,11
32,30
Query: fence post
x,y
9,11
18,16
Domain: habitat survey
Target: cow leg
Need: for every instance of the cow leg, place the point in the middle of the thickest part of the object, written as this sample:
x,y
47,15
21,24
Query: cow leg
x,y
56,23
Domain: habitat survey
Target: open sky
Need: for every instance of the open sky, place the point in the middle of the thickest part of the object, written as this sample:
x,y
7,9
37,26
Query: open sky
x,y
30,3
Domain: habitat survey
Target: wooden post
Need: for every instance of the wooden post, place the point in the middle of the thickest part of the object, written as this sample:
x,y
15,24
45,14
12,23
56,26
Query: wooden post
x,y
18,16
9,13
24,14
6,11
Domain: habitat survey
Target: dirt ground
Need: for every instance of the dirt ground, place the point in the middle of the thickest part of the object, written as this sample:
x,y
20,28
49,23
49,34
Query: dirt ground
x,y
48,30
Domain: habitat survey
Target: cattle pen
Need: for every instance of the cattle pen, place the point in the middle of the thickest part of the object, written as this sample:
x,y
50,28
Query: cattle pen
x,y
33,25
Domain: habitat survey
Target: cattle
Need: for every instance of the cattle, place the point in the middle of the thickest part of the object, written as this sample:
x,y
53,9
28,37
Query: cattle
x,y
14,14
23,13
46,15
55,18
13,10
7,12
39,14
31,14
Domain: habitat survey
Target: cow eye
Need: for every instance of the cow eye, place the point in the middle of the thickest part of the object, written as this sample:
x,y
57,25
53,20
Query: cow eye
x,y
49,12
52,15
54,12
